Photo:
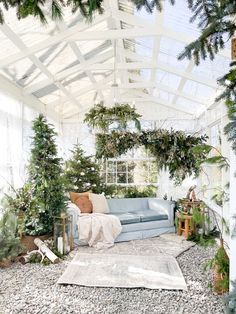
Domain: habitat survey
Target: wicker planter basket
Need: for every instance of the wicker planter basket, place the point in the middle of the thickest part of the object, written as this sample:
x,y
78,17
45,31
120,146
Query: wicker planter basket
x,y
217,278
27,242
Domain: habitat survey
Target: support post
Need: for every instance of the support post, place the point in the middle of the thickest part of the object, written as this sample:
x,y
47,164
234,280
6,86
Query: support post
x,y
232,214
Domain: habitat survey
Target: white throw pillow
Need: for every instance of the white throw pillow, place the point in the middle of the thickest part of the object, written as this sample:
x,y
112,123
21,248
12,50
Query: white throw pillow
x,y
158,205
99,203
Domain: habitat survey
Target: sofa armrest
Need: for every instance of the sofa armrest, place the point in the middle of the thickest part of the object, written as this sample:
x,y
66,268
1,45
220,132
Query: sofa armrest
x,y
163,206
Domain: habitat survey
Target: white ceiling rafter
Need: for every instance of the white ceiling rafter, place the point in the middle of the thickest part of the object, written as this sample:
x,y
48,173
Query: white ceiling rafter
x,y
52,40
86,65
82,91
62,26
120,44
183,81
92,65
159,17
19,43
12,89
167,32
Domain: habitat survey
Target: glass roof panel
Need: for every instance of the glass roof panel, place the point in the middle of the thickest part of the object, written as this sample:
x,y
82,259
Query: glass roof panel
x,y
169,50
177,18
197,89
168,79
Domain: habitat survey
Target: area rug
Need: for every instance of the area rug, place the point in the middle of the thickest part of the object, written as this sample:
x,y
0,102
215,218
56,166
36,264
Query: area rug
x,y
165,244
124,271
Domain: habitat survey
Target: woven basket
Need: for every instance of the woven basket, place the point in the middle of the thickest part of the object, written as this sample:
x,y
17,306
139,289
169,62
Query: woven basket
x,y
217,277
27,242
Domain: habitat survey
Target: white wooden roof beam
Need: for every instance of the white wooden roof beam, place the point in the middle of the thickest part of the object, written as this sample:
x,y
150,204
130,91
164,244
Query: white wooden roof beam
x,y
19,43
53,40
90,65
159,17
62,27
87,65
183,81
120,44
85,90
167,32
13,90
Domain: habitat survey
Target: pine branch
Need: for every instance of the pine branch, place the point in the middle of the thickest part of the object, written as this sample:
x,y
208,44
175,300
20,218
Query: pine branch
x,y
216,25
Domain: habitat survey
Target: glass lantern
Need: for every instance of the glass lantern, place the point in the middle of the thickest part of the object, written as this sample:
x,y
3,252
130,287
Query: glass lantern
x,y
63,236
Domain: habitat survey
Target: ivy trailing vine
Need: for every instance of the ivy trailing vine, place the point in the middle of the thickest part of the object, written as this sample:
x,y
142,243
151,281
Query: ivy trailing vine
x,y
102,117
173,150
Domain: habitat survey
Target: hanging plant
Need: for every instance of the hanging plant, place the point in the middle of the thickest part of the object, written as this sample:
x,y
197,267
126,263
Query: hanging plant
x,y
116,144
173,150
102,117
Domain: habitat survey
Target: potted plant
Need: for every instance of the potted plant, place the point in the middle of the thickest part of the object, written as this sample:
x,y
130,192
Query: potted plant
x,y
9,243
42,197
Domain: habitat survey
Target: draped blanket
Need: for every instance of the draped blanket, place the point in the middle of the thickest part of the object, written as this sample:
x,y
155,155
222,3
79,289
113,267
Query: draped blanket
x,y
98,230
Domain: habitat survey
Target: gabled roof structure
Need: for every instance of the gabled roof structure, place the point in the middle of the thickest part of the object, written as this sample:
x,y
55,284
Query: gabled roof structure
x,y
131,55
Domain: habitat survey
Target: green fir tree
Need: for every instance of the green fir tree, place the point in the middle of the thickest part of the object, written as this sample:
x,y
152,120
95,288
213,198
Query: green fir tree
x,y
45,175
82,173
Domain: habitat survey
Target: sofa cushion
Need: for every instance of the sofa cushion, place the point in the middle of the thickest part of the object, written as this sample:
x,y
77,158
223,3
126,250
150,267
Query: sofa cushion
x,y
84,204
151,215
127,204
99,203
127,218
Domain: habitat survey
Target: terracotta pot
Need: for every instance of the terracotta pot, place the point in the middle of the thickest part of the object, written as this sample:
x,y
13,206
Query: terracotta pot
x,y
27,242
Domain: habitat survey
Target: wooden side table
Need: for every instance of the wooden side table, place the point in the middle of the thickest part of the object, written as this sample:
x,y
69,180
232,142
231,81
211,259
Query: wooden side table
x,y
186,225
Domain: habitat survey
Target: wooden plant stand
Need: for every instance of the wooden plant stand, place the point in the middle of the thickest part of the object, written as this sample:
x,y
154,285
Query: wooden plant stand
x,y
186,226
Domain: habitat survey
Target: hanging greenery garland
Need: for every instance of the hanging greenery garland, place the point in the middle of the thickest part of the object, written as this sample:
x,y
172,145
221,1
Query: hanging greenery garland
x,y
173,150
116,144
102,117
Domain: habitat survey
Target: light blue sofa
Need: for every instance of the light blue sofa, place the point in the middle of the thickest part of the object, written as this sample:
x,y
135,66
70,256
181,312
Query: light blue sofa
x,y
140,217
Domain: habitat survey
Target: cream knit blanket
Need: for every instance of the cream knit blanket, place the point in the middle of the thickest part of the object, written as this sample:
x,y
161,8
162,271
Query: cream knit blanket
x,y
98,230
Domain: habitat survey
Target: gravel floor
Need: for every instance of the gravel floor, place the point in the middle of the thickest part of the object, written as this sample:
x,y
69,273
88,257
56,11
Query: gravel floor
x,y
31,289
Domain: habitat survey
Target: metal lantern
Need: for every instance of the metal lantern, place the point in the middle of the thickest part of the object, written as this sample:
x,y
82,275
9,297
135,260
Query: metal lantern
x,y
63,236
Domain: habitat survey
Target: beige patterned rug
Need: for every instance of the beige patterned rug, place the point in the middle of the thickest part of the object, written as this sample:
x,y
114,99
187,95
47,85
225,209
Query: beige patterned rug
x,y
124,271
148,263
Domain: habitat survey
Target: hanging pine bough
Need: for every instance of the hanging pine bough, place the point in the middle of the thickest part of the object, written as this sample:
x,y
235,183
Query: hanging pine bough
x,y
116,144
41,8
173,150
120,115
216,24
228,81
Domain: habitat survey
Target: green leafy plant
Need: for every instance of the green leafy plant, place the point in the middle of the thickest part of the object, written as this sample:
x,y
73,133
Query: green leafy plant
x,y
82,173
9,243
120,115
45,175
119,191
220,264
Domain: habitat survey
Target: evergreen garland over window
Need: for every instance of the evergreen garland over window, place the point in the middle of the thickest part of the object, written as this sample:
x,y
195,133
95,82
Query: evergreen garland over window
x,y
173,150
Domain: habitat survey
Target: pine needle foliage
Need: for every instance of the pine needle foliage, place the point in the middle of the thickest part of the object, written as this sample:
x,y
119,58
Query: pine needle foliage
x,y
82,173
43,9
228,82
217,25
45,175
